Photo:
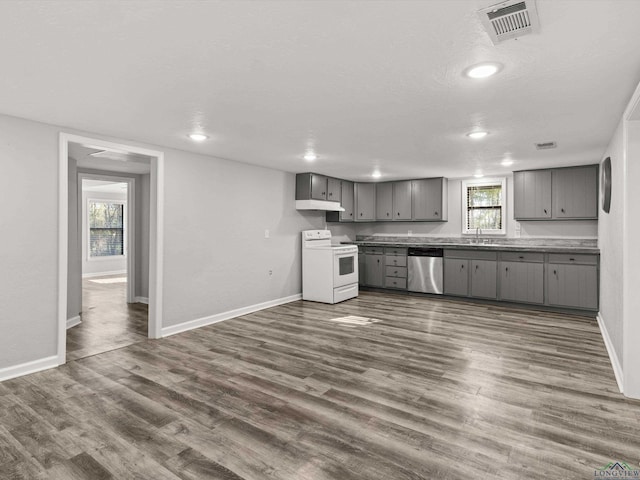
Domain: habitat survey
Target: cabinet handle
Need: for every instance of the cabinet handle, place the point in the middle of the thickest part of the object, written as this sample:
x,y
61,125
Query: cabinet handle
x,y
545,210
462,266
387,214
506,269
360,213
331,194
562,210
324,193
435,213
378,260
351,214
520,257
396,272
572,259
476,267
555,273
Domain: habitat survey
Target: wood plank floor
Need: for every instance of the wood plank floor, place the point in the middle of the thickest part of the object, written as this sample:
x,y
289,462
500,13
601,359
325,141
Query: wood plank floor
x,y
108,322
435,389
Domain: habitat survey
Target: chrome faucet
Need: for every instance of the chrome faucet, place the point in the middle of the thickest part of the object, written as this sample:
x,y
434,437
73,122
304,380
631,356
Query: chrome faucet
x,y
478,233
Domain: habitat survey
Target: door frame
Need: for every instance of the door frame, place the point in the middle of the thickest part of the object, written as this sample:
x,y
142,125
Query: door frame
x,y
130,222
156,229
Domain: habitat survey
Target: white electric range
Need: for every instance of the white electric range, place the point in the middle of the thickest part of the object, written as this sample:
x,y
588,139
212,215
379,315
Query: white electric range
x,y
329,272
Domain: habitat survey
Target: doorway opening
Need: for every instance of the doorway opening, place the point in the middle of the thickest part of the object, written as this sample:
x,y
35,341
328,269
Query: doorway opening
x,y
110,246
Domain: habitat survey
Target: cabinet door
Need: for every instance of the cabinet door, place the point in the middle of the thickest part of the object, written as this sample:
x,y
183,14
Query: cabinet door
x,y
573,285
365,201
456,276
318,187
384,201
374,270
427,199
362,268
334,192
575,192
522,282
532,195
346,201
402,200
484,278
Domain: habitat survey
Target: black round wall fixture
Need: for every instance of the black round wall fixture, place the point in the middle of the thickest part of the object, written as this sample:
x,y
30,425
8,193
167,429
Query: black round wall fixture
x,y
605,184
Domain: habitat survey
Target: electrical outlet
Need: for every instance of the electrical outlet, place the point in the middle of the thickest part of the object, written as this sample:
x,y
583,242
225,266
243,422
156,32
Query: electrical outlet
x,y
409,233
270,273
266,234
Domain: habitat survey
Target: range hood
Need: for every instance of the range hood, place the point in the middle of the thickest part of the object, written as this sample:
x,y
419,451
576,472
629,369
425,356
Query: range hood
x,y
319,205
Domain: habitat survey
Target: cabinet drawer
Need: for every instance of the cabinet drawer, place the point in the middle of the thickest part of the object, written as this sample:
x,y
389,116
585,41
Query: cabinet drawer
x,y
522,257
396,260
396,272
472,254
395,251
373,250
581,259
394,282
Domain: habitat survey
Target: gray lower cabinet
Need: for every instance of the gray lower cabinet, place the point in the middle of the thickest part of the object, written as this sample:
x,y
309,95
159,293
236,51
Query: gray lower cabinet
x,y
374,267
365,197
362,269
456,276
572,281
483,279
522,282
395,268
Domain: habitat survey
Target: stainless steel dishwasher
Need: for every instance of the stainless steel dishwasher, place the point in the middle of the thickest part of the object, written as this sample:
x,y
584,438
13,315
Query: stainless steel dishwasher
x,y
424,270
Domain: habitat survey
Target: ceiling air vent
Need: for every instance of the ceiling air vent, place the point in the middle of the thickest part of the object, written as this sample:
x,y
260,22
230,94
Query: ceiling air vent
x,y
546,145
511,19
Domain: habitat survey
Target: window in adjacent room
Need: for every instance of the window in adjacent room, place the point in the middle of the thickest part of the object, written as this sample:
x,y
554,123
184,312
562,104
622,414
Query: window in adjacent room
x,y
106,228
483,205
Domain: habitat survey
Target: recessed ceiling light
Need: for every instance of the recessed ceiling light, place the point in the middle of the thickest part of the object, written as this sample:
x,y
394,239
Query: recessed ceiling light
x,y
198,137
478,175
506,162
483,70
310,156
477,135
376,174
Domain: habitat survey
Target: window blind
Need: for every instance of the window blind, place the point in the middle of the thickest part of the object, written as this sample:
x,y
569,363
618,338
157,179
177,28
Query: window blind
x,y
484,207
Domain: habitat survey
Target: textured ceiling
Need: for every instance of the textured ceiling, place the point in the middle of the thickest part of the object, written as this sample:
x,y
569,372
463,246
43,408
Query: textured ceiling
x,y
365,84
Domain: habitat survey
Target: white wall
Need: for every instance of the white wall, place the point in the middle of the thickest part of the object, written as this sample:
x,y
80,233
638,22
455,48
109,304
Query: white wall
x,y
610,242
96,266
29,253
453,227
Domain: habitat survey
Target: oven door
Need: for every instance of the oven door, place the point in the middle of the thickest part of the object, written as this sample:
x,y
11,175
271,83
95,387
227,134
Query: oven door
x,y
345,268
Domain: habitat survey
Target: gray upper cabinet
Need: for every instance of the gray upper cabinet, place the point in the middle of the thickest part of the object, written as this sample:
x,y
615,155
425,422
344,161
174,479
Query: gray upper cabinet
x,y
311,186
532,195
346,201
402,200
365,195
384,201
334,189
429,199
575,192
556,194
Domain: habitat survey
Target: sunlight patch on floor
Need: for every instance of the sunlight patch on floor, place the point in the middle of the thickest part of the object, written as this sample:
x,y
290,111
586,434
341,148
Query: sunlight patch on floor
x,y
354,321
110,280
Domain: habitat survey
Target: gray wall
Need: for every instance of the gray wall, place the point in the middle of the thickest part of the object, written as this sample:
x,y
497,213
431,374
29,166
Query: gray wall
x,y
611,243
215,255
453,228
29,253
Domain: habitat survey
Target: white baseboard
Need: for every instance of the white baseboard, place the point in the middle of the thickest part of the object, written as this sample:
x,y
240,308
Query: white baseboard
x,y
144,300
73,321
27,368
104,274
201,322
617,368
